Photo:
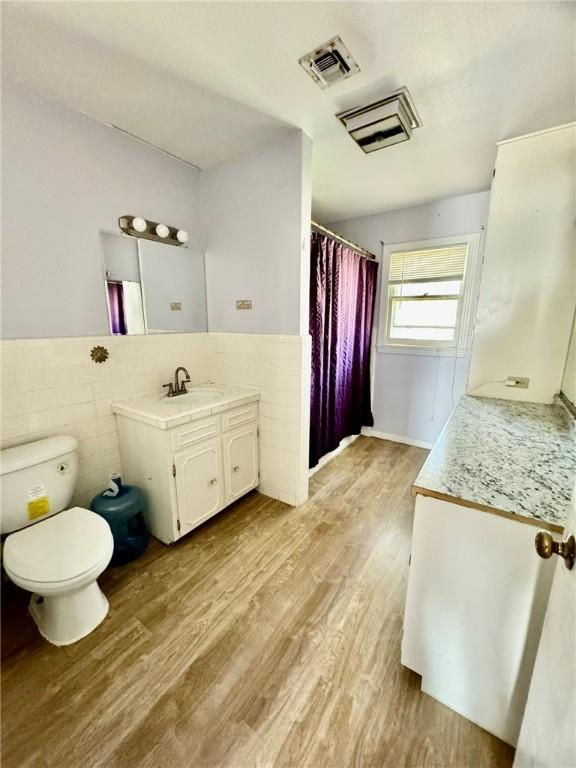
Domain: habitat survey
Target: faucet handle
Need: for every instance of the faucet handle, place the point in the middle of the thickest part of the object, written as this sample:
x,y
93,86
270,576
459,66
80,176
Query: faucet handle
x,y
170,389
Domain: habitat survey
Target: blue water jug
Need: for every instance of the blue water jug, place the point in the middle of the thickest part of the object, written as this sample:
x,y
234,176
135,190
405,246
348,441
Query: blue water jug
x,y
124,515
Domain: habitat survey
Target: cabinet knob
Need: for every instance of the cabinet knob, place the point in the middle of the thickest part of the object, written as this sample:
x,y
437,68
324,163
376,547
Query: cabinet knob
x,y
213,481
236,469
546,547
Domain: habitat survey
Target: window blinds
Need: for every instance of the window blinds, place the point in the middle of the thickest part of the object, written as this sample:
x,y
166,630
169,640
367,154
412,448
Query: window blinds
x,y
428,264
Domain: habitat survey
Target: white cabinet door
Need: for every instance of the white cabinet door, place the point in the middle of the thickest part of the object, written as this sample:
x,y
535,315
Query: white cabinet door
x,y
240,461
199,485
475,605
548,733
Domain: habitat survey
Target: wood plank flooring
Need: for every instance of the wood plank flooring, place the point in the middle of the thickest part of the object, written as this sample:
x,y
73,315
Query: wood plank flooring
x,y
267,638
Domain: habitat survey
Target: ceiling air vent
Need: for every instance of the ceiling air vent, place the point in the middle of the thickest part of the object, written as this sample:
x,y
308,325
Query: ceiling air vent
x,y
329,63
383,123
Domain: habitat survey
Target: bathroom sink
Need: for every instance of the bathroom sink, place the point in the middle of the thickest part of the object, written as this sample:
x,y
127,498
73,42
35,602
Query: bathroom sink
x,y
194,398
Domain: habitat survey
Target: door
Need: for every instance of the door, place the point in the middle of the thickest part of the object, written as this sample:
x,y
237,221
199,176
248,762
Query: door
x,y
548,732
241,461
199,486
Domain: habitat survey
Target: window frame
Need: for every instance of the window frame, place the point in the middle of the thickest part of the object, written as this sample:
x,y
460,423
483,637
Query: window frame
x,y
466,301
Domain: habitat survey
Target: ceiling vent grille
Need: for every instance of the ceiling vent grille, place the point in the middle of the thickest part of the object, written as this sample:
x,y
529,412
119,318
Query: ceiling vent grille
x,y
330,63
386,122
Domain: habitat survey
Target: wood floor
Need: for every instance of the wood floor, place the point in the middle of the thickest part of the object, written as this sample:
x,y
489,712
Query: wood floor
x,y
269,637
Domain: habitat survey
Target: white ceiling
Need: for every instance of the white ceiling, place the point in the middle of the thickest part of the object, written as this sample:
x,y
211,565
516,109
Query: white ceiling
x,y
478,73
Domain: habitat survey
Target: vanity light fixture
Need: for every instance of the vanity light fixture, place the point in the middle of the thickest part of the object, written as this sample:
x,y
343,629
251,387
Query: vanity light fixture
x,y
136,226
139,224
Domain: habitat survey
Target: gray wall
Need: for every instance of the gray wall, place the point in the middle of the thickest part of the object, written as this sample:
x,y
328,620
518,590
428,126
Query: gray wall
x,y
256,223
414,393
65,178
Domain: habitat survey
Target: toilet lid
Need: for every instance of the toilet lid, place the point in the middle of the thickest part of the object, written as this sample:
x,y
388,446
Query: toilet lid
x,y
60,548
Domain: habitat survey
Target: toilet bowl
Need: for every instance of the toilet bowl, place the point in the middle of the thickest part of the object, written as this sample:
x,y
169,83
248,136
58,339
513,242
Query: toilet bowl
x,y
59,560
53,552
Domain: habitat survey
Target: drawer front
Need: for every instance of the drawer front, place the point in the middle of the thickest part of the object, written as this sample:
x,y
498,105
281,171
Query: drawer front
x,y
239,416
195,432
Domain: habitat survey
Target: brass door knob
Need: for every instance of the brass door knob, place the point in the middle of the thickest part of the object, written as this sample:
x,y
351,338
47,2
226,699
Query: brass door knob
x,y
546,547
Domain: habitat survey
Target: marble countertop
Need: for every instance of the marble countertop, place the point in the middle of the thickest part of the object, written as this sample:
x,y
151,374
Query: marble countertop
x,y
505,456
203,400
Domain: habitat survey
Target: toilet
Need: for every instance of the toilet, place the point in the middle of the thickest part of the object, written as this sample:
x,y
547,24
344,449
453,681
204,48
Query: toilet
x,y
53,552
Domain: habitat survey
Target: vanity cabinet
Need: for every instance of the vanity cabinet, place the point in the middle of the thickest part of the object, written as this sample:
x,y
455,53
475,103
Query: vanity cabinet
x,y
190,472
475,605
477,591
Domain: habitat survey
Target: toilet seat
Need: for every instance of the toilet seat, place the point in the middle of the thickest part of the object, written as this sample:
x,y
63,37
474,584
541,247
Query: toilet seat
x,y
59,550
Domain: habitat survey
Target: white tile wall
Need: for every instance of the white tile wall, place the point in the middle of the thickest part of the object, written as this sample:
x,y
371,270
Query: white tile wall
x,y
51,386
278,366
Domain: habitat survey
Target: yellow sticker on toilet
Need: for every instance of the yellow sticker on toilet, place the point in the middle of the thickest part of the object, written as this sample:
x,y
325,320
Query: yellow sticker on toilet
x,y
38,507
38,502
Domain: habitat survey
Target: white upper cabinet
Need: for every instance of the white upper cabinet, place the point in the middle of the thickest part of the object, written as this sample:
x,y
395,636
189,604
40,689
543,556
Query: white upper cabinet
x,y
528,287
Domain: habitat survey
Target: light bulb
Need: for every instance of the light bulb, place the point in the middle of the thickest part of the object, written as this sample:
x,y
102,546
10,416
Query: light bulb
x,y
139,224
182,236
162,230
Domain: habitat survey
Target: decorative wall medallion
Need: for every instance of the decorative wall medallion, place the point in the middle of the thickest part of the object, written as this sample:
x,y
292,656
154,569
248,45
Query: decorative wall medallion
x,y
99,354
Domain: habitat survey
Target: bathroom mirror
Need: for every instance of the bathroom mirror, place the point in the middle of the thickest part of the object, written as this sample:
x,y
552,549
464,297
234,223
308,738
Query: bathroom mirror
x,y
152,287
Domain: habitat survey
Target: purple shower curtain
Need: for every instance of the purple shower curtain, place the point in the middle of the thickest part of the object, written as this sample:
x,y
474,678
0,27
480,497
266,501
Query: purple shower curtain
x,y
342,297
116,304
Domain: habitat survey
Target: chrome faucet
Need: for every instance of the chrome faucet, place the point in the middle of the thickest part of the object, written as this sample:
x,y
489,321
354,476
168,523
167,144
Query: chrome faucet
x,y
178,388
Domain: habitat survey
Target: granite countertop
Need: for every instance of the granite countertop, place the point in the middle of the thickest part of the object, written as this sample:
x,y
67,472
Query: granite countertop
x,y
505,456
203,400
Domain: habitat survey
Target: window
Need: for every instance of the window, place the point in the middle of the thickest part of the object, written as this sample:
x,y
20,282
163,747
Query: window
x,y
428,300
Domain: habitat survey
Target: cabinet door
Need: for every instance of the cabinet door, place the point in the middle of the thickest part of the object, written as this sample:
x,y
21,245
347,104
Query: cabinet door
x,y
199,485
240,461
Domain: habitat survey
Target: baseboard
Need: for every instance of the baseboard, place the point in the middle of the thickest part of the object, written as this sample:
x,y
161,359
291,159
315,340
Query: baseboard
x,y
369,432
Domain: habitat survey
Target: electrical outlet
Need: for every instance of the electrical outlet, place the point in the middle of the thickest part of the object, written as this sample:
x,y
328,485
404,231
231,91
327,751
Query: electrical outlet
x,y
176,306
517,381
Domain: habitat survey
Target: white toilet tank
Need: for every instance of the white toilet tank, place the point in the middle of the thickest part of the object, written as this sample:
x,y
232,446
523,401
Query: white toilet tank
x,y
37,480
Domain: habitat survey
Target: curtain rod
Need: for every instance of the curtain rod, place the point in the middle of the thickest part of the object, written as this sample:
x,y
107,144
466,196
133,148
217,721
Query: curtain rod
x,y
343,240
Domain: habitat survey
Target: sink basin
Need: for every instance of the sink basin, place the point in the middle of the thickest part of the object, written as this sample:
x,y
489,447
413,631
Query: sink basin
x,y
194,397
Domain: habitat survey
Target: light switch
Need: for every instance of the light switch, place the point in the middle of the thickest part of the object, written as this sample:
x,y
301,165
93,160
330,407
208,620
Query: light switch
x,y
243,303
